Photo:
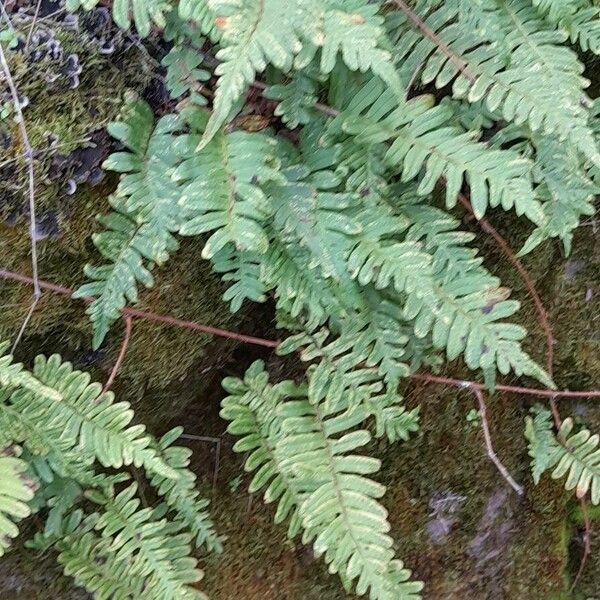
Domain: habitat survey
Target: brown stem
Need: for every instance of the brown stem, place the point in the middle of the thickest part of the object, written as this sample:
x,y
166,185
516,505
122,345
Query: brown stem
x,y
587,543
490,448
248,339
31,192
429,33
147,315
122,352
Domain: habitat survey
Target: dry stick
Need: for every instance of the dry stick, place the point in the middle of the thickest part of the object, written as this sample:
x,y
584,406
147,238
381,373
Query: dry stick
x,y
248,339
213,440
429,33
33,22
490,448
31,186
122,353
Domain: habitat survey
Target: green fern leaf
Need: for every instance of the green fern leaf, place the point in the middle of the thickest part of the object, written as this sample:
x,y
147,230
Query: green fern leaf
x,y
297,444
511,59
543,447
152,549
423,140
579,459
15,493
89,419
221,190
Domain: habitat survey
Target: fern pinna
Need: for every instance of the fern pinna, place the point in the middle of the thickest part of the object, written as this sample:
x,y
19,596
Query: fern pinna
x,y
340,210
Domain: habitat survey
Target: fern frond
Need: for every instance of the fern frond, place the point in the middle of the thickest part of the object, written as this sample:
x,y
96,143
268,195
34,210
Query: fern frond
x,y
511,61
353,28
256,33
575,455
243,269
145,12
542,443
152,549
88,418
201,13
294,436
147,213
252,409
424,139
221,189
15,493
86,557
181,495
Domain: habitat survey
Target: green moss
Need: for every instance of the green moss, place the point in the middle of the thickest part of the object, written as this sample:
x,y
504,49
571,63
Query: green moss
x,y
70,115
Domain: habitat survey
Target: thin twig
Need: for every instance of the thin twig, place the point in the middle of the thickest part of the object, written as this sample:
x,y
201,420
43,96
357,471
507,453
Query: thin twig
x,y
24,324
214,440
6,16
429,33
32,26
147,315
587,543
529,285
31,187
122,352
248,339
490,448
531,290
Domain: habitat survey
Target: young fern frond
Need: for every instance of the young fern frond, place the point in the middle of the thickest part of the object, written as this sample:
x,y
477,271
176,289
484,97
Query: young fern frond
x,y
16,490
304,446
295,99
252,409
542,442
